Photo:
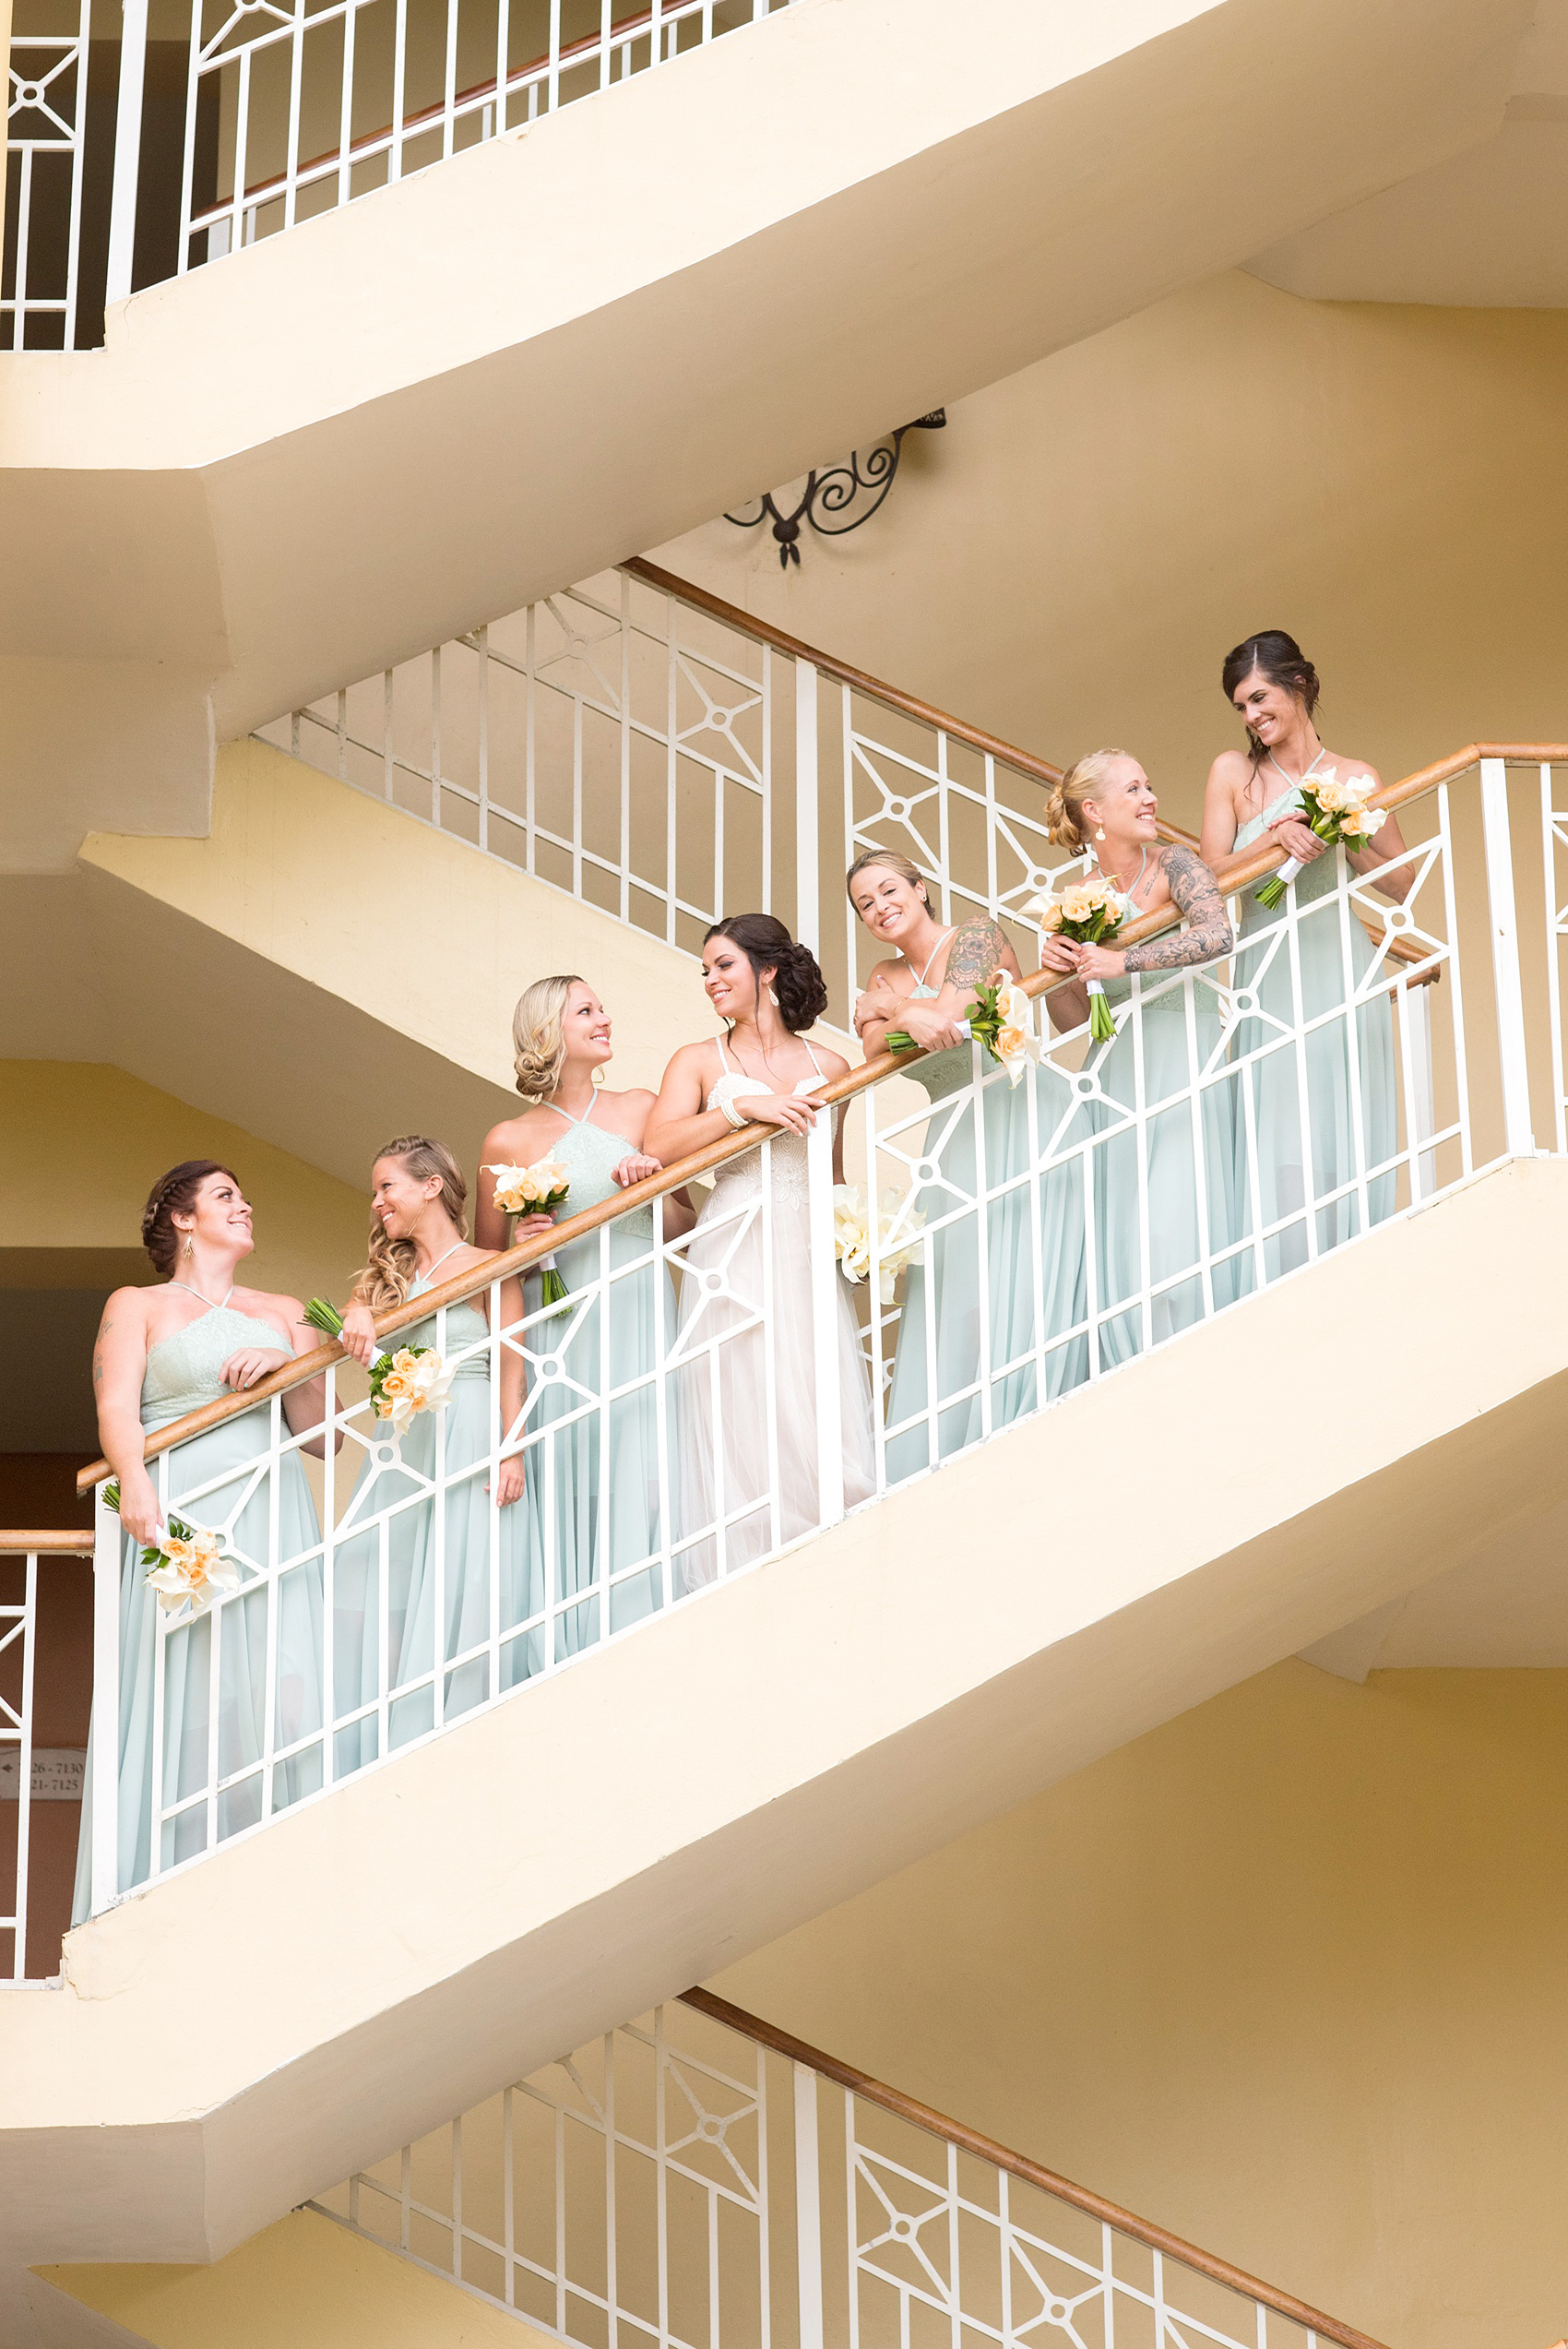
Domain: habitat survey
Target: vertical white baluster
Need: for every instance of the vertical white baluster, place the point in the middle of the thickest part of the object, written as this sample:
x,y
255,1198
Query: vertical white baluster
x,y
824,1322
808,2209
808,910
1519,1135
127,149
105,1730
1549,847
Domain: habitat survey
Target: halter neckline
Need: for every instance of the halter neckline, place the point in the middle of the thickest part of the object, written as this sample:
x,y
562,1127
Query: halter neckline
x,y
931,957
421,1279
1294,783
212,1304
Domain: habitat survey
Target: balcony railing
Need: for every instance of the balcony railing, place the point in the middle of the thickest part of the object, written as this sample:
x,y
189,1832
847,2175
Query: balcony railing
x,y
700,2178
139,157
704,1401
24,1557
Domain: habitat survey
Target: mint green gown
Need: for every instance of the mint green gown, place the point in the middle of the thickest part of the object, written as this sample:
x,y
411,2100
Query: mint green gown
x,y
180,1376
1334,1094
940,1324
424,1545
592,1417
1185,1212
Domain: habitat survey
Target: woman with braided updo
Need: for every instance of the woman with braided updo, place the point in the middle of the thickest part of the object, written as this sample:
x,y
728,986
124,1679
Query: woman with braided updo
x,y
749,1403
1105,807
594,1482
161,1353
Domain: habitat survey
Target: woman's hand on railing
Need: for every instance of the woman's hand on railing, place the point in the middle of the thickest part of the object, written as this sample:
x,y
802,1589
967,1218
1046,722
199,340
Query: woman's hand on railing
x,y
793,1113
635,1169
1298,838
358,1335
249,1363
1097,962
927,1024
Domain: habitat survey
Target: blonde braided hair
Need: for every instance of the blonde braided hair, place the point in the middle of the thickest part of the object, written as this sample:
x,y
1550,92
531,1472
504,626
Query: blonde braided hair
x,y
1065,801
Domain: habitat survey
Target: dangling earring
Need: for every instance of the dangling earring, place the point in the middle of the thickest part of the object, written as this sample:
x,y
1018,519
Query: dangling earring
x,y
190,1248
1101,833
596,1077
773,999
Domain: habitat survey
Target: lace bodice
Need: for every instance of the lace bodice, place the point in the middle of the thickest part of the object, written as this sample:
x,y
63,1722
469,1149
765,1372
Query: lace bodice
x,y
182,1370
741,1177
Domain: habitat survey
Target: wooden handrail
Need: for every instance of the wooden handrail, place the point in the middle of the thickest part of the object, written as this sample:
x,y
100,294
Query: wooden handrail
x,y
12,1544
1237,872
985,2149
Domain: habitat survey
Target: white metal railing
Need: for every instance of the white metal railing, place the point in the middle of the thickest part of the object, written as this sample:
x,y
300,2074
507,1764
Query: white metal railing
x,y
20,1555
697,2178
289,109
704,1399
659,754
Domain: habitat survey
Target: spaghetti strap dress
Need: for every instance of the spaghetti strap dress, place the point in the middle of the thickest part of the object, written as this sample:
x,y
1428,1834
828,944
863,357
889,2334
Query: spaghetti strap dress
x,y
746,1395
948,1359
219,1481
1345,1071
591,1419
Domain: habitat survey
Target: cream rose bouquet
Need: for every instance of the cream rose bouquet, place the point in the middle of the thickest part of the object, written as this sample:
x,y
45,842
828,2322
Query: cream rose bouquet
x,y
1001,1018
188,1567
1089,912
853,1234
539,1190
1336,812
403,1385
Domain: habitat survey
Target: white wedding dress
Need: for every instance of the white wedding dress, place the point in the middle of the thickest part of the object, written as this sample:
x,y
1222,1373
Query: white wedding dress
x,y
736,1340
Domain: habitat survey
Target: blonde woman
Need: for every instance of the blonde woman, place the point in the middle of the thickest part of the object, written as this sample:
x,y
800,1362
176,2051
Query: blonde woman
x,y
1106,805
922,987
419,1241
595,1534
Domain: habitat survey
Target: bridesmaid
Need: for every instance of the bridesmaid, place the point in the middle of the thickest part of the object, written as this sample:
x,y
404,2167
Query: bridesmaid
x,y
923,988
162,1352
1251,795
1105,805
419,1241
748,1417
593,1533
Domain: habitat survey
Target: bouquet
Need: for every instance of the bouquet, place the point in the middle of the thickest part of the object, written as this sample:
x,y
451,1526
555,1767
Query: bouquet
x,y
1336,812
402,1385
520,1190
188,1566
852,1237
1001,1018
1089,912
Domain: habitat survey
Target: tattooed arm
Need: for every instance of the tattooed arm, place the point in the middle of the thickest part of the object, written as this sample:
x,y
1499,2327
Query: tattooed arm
x,y
1207,934
977,951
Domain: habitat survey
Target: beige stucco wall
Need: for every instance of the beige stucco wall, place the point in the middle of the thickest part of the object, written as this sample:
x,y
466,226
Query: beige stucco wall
x,y
1069,561
82,1147
1284,1976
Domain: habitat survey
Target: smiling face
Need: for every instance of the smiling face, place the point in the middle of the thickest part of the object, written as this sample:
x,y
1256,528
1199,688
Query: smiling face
x,y
398,1199
219,1217
891,907
584,1026
728,981
1123,802
1270,712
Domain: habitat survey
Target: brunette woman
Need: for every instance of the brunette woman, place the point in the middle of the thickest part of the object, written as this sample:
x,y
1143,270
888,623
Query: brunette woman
x,y
161,1353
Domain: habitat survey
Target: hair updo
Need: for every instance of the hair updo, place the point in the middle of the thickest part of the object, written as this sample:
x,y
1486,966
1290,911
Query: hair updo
x,y
539,1036
389,1267
171,1196
1279,660
797,981
1065,801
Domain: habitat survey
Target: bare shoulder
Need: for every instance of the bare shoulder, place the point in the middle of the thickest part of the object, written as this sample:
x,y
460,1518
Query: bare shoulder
x,y
1345,766
887,970
512,1134
832,1063
1232,770
636,1100
126,1312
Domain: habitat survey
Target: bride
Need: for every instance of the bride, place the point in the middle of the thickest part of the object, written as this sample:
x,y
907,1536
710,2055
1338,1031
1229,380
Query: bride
x,y
741,1332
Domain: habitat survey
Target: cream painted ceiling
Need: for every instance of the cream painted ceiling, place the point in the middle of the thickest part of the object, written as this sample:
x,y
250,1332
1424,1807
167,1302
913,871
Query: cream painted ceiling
x,y
1487,228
